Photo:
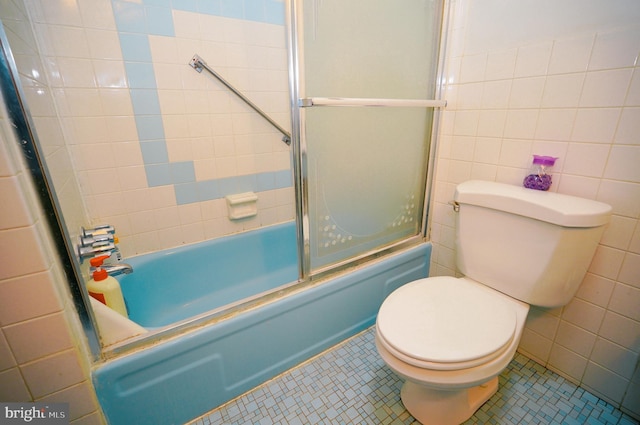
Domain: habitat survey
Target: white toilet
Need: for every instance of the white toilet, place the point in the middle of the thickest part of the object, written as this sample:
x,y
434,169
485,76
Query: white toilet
x,y
450,338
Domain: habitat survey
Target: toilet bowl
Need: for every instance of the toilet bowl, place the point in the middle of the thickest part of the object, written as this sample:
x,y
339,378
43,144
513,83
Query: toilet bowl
x,y
450,338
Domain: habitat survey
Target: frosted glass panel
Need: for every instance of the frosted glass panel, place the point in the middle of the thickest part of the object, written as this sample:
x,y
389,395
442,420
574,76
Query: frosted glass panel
x,y
366,179
366,165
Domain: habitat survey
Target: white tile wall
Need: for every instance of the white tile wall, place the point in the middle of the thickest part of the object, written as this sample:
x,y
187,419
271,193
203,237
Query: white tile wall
x,y
202,121
571,91
43,356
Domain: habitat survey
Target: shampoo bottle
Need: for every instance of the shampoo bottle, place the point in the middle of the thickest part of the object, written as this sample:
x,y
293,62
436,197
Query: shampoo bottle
x,y
105,288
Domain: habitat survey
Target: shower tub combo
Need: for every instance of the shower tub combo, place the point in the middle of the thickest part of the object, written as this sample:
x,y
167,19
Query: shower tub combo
x,y
185,376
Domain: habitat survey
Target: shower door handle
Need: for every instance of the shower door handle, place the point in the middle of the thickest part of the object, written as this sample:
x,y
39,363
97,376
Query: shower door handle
x,y
358,101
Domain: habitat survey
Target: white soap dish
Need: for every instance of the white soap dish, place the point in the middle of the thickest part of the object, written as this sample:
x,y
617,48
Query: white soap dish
x,y
242,205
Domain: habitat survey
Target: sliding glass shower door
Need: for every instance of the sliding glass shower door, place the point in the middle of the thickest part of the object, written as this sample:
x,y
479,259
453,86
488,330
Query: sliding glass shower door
x,y
367,80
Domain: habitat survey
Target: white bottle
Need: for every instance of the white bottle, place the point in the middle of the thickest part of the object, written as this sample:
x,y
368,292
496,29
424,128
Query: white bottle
x,y
105,288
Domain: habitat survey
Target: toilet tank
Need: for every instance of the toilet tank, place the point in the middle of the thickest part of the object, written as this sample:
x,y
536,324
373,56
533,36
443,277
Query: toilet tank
x,y
531,245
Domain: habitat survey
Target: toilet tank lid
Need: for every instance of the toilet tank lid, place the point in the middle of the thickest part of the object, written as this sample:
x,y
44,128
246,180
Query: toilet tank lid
x,y
556,208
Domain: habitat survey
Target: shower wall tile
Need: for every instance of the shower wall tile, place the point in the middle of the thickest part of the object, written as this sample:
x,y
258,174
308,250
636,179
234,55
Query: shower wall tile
x,y
606,88
533,60
629,126
96,14
21,305
630,270
37,373
621,330
575,338
621,164
106,61
604,382
617,48
571,92
619,232
615,358
567,363
14,388
571,54
596,290
40,357
562,91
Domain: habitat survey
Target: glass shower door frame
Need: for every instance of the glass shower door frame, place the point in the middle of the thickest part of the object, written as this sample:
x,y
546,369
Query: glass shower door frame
x,y
299,103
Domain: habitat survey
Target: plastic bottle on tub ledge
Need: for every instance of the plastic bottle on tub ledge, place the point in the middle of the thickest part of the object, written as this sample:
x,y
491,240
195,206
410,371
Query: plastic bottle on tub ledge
x,y
540,176
105,288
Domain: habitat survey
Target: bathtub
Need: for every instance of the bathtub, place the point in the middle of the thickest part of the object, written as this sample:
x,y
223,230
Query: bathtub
x,y
180,377
170,286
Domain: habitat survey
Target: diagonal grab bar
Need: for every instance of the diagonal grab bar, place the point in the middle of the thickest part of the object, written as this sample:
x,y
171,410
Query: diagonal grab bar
x,y
198,64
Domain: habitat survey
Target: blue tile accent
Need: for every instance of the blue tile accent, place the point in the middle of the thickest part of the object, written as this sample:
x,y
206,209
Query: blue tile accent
x,y
266,181
154,152
208,190
135,21
186,193
182,172
246,183
275,12
232,8
149,127
160,3
254,10
185,5
283,179
210,7
135,47
227,186
140,75
160,21
158,174
129,17
145,101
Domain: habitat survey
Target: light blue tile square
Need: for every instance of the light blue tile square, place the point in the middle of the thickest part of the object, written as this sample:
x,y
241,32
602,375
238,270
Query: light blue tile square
x,y
140,75
283,179
265,181
160,3
135,47
208,190
275,12
246,183
227,186
254,10
154,152
158,174
129,17
186,5
232,8
160,21
209,7
186,193
149,127
145,101
183,172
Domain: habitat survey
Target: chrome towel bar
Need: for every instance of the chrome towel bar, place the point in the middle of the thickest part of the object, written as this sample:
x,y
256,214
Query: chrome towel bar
x,y
356,101
198,64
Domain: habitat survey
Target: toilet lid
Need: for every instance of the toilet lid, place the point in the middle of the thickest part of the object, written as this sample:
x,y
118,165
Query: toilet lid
x,y
445,320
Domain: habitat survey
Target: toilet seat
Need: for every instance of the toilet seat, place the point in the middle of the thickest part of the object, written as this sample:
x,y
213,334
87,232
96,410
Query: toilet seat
x,y
444,323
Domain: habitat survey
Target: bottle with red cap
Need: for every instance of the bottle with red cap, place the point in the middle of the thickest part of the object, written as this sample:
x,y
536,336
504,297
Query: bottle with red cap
x,y
105,288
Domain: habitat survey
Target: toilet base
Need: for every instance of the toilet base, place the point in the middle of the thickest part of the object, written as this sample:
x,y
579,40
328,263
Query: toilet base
x,y
440,407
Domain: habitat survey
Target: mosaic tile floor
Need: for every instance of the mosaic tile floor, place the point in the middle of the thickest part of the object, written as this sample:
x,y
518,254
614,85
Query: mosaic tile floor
x,y
350,384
